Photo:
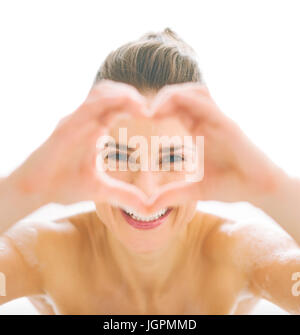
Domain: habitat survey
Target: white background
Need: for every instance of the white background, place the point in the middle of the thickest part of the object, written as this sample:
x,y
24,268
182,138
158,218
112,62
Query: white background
x,y
248,51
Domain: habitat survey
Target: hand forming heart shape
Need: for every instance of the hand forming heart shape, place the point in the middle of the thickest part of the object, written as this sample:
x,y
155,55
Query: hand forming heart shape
x,y
192,103
230,159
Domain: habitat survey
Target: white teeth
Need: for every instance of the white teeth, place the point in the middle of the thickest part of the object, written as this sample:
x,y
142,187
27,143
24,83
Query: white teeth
x,y
137,216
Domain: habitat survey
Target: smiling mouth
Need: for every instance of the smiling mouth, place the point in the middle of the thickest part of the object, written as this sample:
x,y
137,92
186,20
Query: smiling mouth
x,y
145,222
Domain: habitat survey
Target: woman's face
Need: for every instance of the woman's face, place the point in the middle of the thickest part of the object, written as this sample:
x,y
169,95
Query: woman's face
x,y
137,232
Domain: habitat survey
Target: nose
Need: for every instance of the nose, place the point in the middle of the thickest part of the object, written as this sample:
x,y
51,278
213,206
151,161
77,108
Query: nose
x,y
147,181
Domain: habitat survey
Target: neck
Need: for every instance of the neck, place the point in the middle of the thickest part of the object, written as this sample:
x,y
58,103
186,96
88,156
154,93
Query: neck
x,y
147,272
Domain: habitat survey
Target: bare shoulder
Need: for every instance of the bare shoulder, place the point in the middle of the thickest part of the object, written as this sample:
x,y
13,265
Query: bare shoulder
x,y
42,242
245,244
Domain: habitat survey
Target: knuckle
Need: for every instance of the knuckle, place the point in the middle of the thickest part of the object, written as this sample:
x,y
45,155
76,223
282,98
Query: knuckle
x,y
113,89
130,100
109,85
126,98
176,97
166,89
104,83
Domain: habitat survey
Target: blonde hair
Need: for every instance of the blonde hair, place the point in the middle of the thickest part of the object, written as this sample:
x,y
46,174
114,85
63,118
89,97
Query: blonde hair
x,y
151,62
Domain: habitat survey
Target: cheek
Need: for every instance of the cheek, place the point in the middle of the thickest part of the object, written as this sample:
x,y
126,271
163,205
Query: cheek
x,y
126,176
171,176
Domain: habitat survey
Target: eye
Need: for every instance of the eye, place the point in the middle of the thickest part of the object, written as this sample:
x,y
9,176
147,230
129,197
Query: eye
x,y
117,156
172,158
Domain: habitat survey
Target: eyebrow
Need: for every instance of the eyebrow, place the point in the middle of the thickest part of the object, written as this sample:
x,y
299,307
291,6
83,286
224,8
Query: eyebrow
x,y
123,147
172,148
119,146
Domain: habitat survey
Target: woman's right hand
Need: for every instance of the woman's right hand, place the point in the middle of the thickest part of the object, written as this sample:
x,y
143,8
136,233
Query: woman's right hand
x,y
63,168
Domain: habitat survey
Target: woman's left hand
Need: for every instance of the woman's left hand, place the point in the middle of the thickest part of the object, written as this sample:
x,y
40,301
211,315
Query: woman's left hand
x,y
234,168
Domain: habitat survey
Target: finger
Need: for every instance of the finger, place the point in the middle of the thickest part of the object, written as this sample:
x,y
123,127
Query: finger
x,y
174,194
115,95
170,90
120,193
124,108
189,103
103,110
192,101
